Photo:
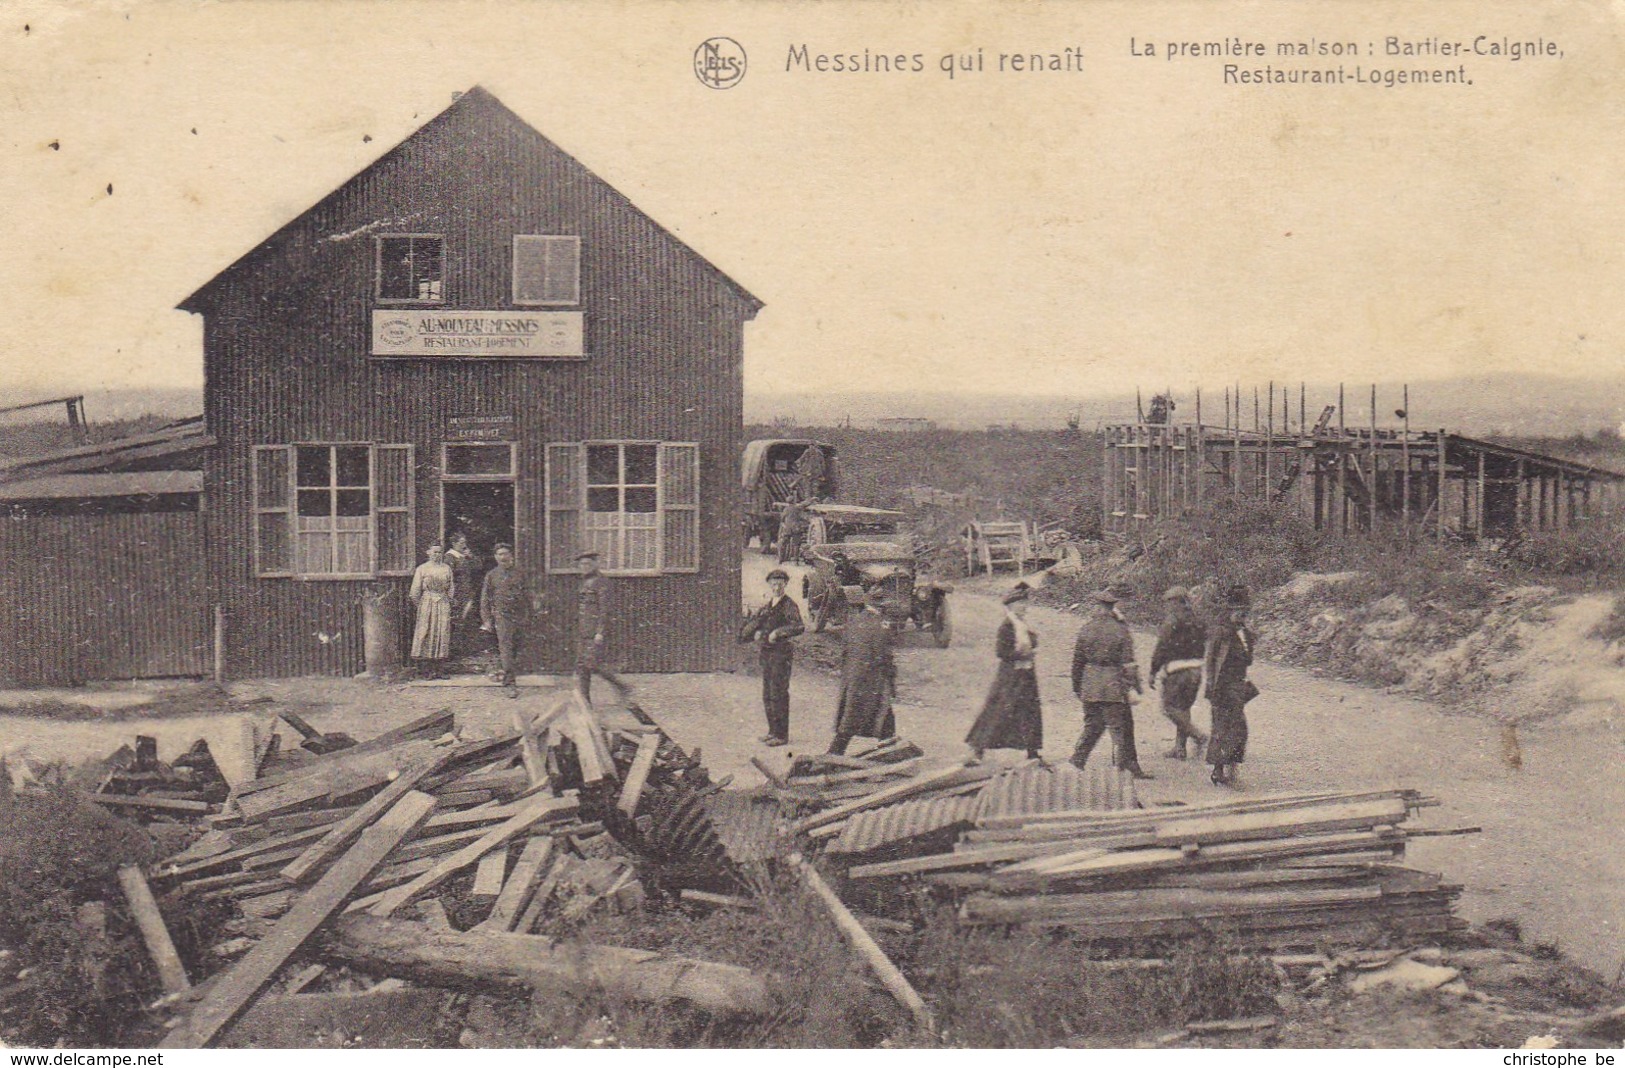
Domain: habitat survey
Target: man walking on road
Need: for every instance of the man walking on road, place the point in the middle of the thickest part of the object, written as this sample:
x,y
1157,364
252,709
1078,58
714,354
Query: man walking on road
x,y
1178,658
772,626
592,616
1103,672
505,607
868,678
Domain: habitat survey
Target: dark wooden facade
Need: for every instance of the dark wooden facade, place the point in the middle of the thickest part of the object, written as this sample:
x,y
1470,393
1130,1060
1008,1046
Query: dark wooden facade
x,y
288,360
111,589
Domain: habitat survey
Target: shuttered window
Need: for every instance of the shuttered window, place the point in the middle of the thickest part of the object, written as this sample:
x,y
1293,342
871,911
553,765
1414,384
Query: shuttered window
x,y
333,511
546,270
635,503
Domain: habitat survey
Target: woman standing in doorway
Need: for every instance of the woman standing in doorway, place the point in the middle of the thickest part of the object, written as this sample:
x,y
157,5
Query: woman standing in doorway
x,y
434,588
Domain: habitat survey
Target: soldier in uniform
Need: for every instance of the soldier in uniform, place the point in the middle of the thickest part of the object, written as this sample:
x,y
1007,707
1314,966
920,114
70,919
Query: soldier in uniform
x,y
592,616
772,626
505,607
1103,672
1178,660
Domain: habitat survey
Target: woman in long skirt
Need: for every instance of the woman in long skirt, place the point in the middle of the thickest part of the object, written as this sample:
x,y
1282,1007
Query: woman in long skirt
x,y
1012,717
433,590
1229,655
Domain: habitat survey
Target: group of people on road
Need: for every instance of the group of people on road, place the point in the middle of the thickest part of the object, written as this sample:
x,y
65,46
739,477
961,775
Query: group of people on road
x,y
1192,657
442,594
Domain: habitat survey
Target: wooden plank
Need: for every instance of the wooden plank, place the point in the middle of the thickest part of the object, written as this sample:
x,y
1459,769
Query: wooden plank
x,y
1263,825
539,809
531,962
274,843
487,813
583,728
970,858
767,772
432,726
171,973
232,992
332,780
320,852
516,892
1262,803
949,776
156,804
544,891
728,901
902,767
637,777
489,873
530,752
866,946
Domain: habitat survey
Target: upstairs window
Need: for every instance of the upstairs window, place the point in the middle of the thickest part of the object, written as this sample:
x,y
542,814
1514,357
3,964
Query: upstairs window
x,y
411,267
546,270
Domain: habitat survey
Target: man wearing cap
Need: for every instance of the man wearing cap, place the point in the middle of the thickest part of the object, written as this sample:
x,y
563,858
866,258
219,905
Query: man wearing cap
x,y
772,626
868,677
1229,655
505,606
1103,672
592,617
1177,659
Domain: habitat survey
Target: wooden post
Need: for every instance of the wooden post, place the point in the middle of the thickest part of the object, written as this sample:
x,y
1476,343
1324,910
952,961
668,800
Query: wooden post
x,y
862,941
1523,495
219,644
171,973
1405,460
1201,455
1372,482
1342,467
1478,504
1235,456
1443,442
1269,448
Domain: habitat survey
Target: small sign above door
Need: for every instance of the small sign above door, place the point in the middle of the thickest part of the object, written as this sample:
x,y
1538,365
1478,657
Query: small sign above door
x,y
480,428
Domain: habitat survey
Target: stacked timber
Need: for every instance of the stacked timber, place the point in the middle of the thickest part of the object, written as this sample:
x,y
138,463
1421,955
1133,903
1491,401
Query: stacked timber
x,y
1272,871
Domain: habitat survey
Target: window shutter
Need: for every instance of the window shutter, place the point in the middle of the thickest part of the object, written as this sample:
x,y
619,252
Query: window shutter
x,y
680,506
392,500
566,492
546,269
273,511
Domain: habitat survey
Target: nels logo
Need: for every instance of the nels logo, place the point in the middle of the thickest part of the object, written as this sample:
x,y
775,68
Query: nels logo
x,y
719,62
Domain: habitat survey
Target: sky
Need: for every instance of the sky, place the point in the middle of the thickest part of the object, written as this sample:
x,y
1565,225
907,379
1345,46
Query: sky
x,y
1135,220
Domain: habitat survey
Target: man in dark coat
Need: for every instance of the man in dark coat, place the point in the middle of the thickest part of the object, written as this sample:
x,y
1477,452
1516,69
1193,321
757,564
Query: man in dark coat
x,y
1229,655
1181,644
868,677
592,617
1012,717
1103,672
772,626
506,604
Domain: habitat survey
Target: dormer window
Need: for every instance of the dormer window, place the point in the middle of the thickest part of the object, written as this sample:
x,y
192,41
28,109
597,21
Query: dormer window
x,y
546,270
411,267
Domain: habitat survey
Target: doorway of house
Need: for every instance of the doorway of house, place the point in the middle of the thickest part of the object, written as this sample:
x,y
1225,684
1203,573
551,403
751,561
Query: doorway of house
x,y
477,499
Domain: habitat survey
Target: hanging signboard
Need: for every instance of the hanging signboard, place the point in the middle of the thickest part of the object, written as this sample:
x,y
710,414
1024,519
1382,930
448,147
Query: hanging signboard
x,y
479,334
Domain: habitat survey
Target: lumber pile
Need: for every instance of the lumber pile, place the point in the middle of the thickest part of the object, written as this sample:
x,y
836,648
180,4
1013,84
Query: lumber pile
x,y
1270,871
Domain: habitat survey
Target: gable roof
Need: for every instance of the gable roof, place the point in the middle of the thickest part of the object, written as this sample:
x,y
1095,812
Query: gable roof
x,y
477,101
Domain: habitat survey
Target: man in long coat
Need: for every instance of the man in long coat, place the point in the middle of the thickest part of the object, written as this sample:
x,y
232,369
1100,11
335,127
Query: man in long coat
x,y
1181,644
772,627
868,678
1229,655
1103,673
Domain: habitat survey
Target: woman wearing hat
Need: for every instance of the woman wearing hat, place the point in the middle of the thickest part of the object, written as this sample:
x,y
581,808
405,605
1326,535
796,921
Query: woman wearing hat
x,y
1012,717
1229,655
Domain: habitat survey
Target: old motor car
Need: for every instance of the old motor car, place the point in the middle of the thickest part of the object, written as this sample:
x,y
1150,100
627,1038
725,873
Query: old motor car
x,y
774,471
853,550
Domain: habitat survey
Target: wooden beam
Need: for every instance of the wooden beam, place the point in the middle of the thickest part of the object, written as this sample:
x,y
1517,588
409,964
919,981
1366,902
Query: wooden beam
x,y
532,962
945,777
302,867
867,948
233,991
171,973
536,811
516,892
530,752
489,874
638,776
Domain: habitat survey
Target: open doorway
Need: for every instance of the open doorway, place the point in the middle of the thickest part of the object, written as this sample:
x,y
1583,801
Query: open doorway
x,y
484,512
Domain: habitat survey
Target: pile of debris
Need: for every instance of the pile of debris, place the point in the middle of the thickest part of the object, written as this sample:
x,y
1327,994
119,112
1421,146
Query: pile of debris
x,y
420,854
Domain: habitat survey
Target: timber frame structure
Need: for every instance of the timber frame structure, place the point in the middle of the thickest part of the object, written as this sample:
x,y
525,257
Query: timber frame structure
x,y
1346,479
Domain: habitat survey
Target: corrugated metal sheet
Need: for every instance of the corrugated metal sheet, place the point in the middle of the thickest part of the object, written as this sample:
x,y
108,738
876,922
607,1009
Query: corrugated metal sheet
x,y
286,360
129,484
883,826
747,825
1027,791
108,596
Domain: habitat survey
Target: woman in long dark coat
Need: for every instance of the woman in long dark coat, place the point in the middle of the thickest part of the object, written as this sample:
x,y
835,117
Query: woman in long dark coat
x,y
1012,717
1229,655
868,678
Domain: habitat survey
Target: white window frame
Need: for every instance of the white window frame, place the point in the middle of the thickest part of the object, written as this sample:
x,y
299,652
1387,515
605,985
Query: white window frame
x,y
575,297
290,454
577,456
378,270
